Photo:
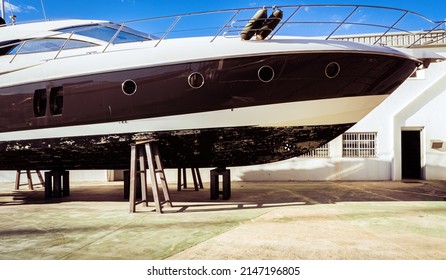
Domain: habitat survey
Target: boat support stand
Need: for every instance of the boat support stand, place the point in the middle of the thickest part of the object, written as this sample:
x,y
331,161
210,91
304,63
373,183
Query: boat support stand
x,y
145,156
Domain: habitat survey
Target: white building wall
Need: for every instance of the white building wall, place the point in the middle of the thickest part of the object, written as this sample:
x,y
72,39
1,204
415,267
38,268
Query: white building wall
x,y
432,117
75,176
424,111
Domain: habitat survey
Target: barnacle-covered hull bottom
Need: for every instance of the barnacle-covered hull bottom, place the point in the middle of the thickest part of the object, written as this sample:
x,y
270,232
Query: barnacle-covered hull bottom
x,y
222,147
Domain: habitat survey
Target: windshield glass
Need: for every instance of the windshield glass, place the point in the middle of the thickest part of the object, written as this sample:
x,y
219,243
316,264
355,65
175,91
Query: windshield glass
x,y
47,45
106,33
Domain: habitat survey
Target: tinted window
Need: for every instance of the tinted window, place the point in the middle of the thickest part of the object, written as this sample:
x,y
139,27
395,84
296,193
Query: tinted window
x,y
106,33
7,46
40,102
56,101
47,45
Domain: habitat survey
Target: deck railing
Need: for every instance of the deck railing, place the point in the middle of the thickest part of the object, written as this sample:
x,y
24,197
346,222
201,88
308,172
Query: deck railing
x,y
322,21
337,22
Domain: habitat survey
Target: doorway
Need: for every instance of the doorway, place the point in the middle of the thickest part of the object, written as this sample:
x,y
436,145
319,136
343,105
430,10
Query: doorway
x,y
411,154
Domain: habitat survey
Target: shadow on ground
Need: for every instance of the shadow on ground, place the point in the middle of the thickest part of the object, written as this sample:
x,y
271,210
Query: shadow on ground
x,y
249,194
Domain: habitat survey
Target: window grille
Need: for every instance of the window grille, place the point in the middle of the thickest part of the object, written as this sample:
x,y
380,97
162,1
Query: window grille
x,y
321,152
359,145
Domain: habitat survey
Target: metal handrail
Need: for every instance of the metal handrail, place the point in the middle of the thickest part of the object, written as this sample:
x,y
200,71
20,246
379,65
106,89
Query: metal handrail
x,y
168,30
285,22
351,23
114,37
391,27
17,52
297,8
63,45
427,33
225,25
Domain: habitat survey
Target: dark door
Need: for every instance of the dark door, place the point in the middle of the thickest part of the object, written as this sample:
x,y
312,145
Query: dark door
x,y
411,154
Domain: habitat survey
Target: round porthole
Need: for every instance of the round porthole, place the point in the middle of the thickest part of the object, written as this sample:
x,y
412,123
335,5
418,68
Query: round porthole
x,y
332,70
129,87
266,74
195,80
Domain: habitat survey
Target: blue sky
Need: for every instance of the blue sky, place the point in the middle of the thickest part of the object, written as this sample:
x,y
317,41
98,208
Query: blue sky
x,y
124,10
121,10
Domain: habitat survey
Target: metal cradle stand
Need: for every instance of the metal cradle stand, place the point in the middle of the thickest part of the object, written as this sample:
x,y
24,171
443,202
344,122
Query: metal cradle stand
x,y
145,156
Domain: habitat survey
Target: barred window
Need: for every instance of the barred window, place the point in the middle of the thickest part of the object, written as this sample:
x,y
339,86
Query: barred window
x,y
321,152
359,144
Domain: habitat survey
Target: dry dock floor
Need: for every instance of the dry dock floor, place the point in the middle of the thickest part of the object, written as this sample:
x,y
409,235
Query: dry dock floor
x,y
263,220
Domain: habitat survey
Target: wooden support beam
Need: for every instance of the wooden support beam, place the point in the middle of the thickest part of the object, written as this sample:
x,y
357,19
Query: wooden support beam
x,y
29,178
182,178
57,184
145,157
132,193
215,183
143,176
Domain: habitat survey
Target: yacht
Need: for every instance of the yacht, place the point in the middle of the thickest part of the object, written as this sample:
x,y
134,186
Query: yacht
x,y
75,94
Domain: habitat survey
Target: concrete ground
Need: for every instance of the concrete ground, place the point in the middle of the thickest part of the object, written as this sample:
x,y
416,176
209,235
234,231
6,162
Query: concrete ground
x,y
263,220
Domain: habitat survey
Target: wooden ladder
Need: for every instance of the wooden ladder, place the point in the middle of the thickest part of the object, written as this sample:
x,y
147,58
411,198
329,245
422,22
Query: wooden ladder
x,y
29,176
145,156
